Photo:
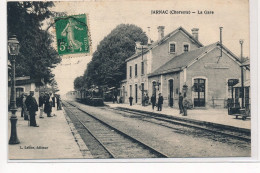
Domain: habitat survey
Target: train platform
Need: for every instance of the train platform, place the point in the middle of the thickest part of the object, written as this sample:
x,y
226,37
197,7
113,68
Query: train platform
x,y
55,138
216,116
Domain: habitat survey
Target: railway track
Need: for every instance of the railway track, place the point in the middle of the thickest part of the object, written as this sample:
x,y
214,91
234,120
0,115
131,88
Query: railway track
x,y
106,141
167,121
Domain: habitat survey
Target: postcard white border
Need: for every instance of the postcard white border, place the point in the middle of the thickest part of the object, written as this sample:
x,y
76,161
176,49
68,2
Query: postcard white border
x,y
225,165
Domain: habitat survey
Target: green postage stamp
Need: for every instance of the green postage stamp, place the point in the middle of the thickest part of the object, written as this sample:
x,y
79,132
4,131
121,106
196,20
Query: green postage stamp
x,y
72,34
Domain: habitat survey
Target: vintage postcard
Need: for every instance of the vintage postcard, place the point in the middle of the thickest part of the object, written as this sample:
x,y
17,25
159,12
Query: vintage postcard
x,y
131,80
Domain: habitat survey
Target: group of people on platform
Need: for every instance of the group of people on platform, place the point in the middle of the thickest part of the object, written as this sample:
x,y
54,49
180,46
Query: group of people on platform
x,y
115,99
46,102
153,101
183,102
159,102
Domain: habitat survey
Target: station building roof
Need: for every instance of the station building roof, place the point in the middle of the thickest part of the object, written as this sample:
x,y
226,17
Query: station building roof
x,y
183,60
156,43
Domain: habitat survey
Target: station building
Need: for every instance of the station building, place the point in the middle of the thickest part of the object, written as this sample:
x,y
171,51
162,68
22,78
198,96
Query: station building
x,y
178,62
25,84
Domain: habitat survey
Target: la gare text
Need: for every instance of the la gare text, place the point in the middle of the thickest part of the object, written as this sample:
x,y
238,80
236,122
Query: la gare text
x,y
181,12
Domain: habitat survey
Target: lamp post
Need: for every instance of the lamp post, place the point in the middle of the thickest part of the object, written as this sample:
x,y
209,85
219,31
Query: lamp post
x,y
242,74
13,50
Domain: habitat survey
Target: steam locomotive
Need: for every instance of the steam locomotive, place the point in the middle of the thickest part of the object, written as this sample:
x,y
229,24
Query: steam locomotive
x,y
92,97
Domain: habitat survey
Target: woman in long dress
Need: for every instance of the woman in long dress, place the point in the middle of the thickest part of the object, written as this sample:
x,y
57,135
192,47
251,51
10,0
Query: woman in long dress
x,y
26,113
48,105
68,31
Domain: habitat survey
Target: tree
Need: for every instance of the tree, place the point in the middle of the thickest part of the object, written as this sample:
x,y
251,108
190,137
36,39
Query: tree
x,y
108,65
79,83
37,56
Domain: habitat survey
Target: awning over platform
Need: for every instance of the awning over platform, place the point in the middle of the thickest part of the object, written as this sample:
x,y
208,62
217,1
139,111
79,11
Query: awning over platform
x,y
246,84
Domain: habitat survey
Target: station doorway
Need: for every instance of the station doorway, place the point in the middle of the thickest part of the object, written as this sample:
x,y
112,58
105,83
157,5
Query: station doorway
x,y
199,92
136,93
170,91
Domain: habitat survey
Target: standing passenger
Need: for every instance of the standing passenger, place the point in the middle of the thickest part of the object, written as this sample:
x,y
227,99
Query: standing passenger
x,y
41,102
53,100
146,100
32,107
58,102
113,99
160,102
21,99
117,100
48,105
181,103
131,100
153,100
25,112
185,105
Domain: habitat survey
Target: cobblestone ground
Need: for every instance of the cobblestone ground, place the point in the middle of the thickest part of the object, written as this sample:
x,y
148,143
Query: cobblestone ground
x,y
177,142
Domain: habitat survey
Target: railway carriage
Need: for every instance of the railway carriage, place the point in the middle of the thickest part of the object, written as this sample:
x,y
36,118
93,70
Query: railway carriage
x,y
93,96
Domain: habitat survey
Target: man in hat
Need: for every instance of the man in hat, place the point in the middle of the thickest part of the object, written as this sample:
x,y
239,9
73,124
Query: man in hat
x,y
186,104
53,100
21,100
25,112
48,105
160,102
153,100
131,100
181,103
32,107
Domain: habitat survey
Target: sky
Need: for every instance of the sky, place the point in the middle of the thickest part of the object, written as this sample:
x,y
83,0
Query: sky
x,y
103,17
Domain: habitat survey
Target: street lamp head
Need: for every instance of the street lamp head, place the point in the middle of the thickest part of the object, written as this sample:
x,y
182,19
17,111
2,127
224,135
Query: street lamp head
x,y
13,45
241,41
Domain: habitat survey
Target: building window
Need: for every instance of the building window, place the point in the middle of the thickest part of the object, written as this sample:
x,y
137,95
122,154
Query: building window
x,y
172,47
185,47
136,93
230,91
237,95
19,92
142,89
135,69
142,68
130,71
130,88
154,88
199,92
247,97
231,84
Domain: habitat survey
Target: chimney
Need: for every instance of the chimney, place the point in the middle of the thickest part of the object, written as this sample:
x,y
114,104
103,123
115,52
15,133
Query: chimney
x,y
195,33
241,43
149,38
160,32
137,46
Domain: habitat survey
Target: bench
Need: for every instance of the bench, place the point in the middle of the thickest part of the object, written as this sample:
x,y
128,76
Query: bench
x,y
243,113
